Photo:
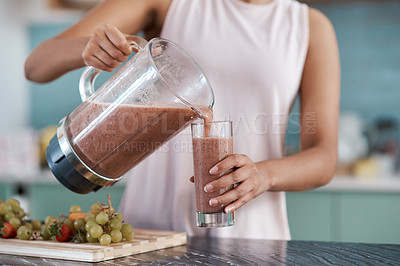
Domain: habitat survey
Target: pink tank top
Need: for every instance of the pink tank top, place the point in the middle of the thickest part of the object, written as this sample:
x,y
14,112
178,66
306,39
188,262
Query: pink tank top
x,y
253,56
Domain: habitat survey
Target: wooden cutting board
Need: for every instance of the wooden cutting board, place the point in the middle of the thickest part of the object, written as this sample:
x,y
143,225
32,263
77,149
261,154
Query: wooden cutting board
x,y
145,241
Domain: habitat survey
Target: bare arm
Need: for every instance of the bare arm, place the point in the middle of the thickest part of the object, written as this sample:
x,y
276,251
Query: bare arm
x,y
319,107
53,58
62,53
315,164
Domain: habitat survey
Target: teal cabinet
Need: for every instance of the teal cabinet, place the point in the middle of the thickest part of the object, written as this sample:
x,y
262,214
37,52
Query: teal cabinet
x,y
358,216
6,190
370,217
309,215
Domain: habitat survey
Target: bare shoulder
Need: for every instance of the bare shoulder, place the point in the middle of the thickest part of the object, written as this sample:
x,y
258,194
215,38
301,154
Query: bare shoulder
x,y
320,25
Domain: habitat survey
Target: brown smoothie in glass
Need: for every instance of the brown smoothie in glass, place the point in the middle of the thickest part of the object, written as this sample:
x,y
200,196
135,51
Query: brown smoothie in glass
x,y
111,140
208,151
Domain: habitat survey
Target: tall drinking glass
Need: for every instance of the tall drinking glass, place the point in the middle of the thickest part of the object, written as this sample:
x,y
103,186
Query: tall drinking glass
x,y
208,150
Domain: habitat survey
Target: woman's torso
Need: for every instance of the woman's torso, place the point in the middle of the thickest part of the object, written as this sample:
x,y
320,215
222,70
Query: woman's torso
x,y
253,56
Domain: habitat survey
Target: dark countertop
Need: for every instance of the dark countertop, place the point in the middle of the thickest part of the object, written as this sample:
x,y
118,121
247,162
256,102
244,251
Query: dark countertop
x,y
212,251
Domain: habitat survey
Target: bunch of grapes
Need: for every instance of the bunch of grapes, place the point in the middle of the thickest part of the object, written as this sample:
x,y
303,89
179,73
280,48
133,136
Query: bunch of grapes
x,y
13,222
101,225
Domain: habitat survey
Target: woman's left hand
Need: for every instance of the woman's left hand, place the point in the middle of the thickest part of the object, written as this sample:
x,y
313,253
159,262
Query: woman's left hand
x,y
249,180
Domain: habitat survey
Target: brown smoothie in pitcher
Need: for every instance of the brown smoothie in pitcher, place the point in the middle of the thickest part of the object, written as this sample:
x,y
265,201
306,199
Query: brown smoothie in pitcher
x,y
208,151
111,140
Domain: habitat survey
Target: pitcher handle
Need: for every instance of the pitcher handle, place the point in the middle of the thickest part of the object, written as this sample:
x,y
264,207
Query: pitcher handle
x,y
89,75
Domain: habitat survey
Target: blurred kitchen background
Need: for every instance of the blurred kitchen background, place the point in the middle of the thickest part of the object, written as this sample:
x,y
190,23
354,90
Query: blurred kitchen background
x,y
361,204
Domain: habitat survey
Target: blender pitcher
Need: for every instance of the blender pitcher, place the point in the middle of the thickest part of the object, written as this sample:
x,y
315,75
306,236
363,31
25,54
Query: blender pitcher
x,y
156,94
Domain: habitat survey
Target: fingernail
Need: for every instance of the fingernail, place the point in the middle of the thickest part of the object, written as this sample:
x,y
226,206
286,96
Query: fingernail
x,y
213,170
208,188
228,209
213,202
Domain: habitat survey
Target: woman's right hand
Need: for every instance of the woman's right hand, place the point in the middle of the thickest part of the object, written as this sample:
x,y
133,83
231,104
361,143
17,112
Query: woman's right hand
x,y
106,49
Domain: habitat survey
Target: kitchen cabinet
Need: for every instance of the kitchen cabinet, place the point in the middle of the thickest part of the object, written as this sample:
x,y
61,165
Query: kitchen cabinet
x,y
357,214
6,190
309,215
370,217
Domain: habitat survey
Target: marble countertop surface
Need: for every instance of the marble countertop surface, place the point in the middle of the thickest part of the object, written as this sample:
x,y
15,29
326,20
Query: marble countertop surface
x,y
213,251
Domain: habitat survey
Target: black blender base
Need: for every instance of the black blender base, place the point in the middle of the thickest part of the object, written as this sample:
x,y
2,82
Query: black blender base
x,y
65,173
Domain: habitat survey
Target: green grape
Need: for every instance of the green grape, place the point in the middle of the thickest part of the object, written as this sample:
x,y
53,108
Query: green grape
x,y
9,207
3,208
36,224
14,221
48,227
96,231
75,209
8,216
50,220
126,230
105,240
116,236
70,223
102,218
130,237
90,216
13,203
44,232
79,224
19,212
115,224
91,239
24,233
29,225
89,224
95,208
118,216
